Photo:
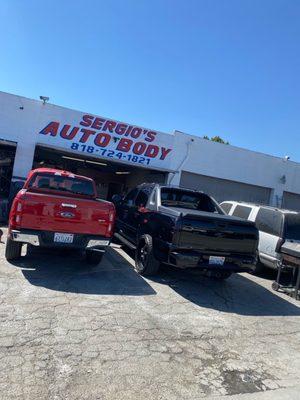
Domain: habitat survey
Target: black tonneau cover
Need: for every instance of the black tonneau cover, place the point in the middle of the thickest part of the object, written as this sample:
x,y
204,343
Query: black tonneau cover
x,y
187,212
213,233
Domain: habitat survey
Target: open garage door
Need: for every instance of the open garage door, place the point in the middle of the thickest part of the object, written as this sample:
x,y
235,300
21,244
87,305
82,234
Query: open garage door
x,y
7,159
111,177
223,189
291,201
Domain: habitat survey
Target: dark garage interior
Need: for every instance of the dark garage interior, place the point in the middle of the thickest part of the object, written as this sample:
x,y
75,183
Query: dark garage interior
x,y
111,177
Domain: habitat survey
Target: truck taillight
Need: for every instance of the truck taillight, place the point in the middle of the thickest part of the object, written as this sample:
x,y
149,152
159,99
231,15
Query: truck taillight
x,y
111,219
109,229
111,216
16,212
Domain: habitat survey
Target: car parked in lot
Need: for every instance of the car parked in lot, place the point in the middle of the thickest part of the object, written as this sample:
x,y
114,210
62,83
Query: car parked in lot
x,y
59,209
276,226
185,229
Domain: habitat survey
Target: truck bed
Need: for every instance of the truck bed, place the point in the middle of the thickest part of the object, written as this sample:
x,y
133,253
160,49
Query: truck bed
x,y
213,233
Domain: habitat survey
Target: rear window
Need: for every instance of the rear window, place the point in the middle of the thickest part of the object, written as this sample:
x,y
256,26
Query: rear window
x,y
269,221
129,198
48,182
226,207
292,226
191,200
242,211
142,199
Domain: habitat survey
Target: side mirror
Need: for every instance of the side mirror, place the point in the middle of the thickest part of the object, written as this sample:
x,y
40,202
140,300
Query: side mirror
x,y
116,198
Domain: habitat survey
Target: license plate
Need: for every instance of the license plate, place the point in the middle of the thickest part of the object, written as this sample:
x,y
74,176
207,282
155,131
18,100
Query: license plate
x,y
213,260
63,237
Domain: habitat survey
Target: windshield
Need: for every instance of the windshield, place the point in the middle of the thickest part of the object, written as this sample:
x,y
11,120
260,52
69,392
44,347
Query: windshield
x,y
187,199
60,183
292,226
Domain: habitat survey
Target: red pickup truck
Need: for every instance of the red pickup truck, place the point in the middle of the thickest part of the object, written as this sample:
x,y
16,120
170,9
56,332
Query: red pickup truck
x,y
59,209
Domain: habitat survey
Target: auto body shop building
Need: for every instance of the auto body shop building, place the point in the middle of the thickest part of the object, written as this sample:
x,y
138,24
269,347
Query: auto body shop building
x,y
120,155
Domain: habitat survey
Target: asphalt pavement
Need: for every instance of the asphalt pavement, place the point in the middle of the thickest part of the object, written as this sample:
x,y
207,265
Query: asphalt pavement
x,y
73,331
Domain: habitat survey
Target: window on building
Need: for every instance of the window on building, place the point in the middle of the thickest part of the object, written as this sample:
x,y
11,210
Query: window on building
x,y
269,221
242,211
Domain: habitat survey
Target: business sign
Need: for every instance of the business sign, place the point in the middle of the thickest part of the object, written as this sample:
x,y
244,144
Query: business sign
x,y
96,136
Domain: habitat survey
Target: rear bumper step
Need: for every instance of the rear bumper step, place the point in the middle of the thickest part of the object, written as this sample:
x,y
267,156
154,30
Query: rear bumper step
x,y
28,238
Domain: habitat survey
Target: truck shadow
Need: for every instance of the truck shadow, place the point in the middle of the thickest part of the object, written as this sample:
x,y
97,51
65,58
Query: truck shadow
x,y
70,273
242,294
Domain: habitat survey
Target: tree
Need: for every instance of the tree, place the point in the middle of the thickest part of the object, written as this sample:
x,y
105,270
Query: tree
x,y
217,139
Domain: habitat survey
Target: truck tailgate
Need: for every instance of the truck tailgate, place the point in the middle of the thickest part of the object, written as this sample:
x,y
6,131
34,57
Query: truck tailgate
x,y
64,214
216,234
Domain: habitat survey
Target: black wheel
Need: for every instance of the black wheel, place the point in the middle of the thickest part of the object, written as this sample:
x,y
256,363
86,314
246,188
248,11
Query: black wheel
x,y
145,262
93,257
275,286
12,250
259,268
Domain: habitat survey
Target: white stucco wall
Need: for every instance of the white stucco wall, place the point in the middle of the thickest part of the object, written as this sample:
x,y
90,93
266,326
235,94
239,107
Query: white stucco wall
x,y
237,164
22,119
25,121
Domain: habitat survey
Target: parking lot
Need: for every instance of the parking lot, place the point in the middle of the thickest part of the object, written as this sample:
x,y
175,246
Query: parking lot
x,y
73,331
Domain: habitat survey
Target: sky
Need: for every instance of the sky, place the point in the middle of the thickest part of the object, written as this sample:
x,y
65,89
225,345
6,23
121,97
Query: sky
x,y
204,67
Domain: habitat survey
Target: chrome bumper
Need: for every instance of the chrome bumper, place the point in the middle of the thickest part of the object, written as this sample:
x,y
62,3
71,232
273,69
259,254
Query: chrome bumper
x,y
97,243
25,238
33,239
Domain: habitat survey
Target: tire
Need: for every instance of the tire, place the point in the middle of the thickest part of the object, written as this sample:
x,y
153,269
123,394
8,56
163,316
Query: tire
x,y
259,268
93,257
145,262
12,250
275,286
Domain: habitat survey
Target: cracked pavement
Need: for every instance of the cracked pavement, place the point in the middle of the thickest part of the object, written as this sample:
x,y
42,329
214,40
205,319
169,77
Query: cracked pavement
x,y
73,331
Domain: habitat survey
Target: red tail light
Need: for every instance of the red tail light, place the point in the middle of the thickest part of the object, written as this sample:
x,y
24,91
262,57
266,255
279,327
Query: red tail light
x,y
15,215
111,222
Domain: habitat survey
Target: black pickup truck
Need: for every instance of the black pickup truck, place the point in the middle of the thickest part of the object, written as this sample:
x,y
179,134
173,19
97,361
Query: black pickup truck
x,y
185,229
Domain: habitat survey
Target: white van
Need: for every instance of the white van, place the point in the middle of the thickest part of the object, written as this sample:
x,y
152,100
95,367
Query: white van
x,y
275,225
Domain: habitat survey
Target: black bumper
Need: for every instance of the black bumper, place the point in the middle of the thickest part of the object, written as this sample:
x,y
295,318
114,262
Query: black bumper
x,y
46,239
192,259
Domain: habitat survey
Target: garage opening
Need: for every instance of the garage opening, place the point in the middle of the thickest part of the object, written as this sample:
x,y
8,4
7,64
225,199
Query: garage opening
x,y
111,177
291,201
223,189
7,159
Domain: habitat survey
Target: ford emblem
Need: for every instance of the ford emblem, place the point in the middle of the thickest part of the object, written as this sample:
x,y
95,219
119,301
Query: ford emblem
x,y
66,214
